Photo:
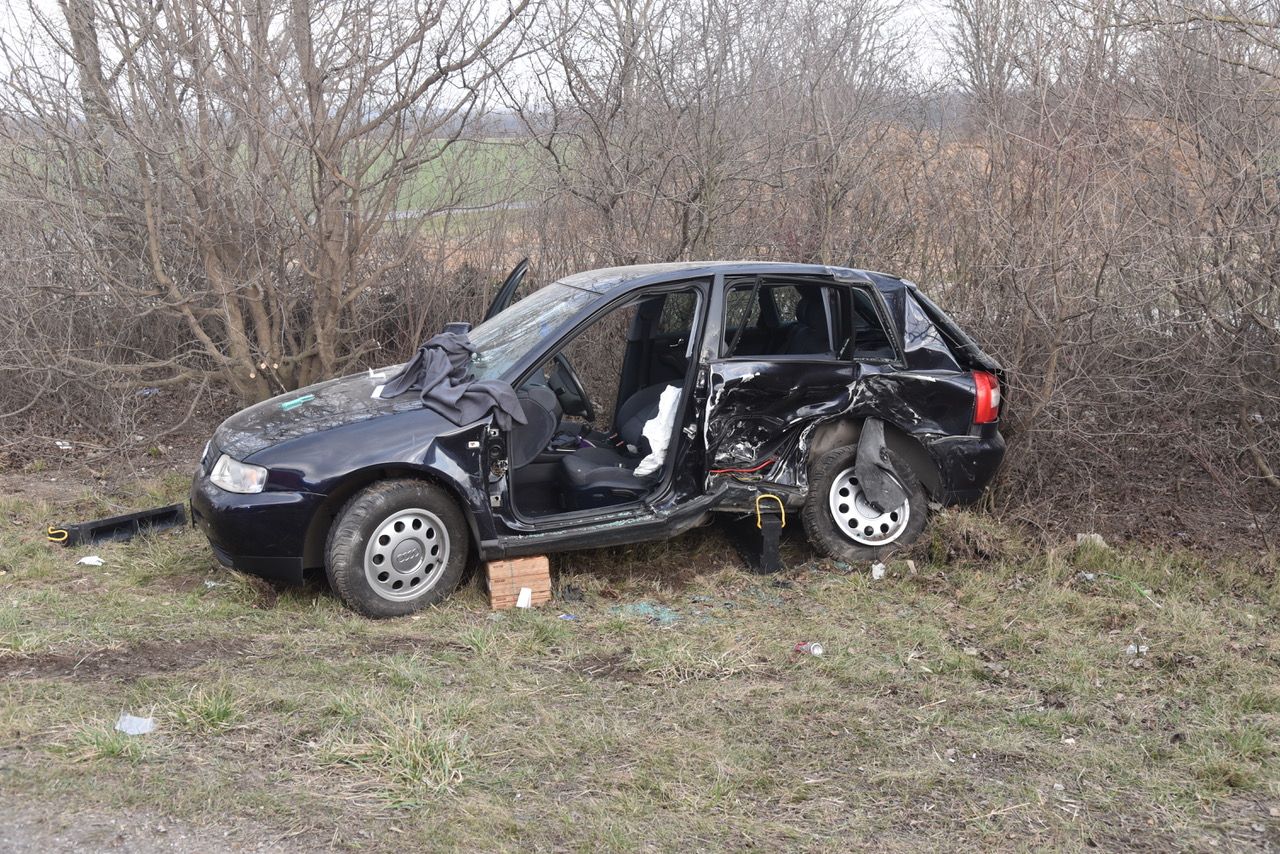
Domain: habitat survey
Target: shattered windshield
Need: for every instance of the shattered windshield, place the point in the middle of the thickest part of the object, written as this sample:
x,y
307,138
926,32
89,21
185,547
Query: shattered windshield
x,y
504,339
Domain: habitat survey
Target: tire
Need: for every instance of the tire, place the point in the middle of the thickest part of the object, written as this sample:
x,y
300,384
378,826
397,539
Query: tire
x,y
857,534
397,547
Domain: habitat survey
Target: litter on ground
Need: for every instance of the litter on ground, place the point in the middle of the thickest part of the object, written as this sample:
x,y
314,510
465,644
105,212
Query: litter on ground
x,y
133,725
1091,539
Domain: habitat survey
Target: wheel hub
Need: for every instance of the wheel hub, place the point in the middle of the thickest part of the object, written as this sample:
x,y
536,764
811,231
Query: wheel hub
x,y
406,555
857,519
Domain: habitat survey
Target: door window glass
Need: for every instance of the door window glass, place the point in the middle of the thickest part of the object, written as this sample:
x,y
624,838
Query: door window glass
x,y
779,320
870,340
677,313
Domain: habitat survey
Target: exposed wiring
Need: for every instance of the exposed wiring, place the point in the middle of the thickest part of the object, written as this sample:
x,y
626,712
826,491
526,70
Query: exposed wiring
x,y
743,471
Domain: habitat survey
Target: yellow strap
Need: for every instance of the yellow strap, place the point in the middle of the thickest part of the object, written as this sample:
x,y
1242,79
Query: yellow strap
x,y
781,509
57,535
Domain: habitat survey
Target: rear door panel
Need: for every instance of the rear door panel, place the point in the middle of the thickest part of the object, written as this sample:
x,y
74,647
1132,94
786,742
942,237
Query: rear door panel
x,y
756,409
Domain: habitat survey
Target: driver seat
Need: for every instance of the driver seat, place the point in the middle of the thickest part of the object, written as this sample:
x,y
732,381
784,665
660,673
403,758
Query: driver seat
x,y
542,415
601,476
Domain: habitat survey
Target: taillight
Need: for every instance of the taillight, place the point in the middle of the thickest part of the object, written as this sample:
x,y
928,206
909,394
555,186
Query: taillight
x,y
987,407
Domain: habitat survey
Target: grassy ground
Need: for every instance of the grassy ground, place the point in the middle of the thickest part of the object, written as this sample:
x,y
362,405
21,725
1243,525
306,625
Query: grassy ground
x,y
985,699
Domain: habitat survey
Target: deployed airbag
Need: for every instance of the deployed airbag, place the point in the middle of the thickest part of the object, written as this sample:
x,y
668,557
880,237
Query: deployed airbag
x,y
440,374
658,431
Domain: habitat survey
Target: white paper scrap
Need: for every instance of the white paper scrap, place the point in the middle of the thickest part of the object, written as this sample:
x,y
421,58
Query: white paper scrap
x,y
131,725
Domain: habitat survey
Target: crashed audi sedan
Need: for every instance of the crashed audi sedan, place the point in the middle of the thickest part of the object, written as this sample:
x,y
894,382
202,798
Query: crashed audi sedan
x,y
614,406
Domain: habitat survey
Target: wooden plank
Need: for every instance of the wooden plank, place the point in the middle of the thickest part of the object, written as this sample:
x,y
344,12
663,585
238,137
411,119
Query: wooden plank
x,y
512,594
506,577
538,590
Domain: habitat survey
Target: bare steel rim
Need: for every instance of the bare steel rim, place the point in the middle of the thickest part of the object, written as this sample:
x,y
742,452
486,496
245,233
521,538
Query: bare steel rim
x,y
858,520
406,555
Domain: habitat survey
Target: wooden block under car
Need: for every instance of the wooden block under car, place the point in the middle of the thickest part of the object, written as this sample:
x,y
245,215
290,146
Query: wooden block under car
x,y
506,577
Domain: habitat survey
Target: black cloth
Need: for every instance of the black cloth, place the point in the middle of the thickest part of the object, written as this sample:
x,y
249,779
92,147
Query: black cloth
x,y
440,374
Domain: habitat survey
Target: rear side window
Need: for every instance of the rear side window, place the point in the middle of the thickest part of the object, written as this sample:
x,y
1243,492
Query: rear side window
x,y
814,321
871,341
741,309
779,320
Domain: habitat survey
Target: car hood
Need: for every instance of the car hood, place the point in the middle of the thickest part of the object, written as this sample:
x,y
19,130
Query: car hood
x,y
318,407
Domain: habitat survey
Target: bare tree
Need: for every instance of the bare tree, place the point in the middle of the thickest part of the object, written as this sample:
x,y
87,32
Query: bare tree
x,y
236,165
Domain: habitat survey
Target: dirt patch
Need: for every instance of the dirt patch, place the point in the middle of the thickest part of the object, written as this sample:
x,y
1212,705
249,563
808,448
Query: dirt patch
x,y
122,664
410,645
1240,824
265,593
614,665
180,585
40,827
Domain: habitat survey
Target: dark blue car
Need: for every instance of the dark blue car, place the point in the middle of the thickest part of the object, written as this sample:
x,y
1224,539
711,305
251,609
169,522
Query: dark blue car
x,y
642,400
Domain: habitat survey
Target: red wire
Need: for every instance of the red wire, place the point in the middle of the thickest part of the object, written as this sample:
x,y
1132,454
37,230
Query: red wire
x,y
742,471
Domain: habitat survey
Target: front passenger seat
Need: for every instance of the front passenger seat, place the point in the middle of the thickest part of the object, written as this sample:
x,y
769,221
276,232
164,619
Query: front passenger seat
x,y
601,476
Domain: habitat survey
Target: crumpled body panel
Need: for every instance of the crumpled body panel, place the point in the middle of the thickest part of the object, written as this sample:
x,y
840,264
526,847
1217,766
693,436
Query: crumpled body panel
x,y
762,415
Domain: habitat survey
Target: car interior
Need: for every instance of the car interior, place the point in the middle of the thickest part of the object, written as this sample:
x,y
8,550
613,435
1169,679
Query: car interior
x,y
560,462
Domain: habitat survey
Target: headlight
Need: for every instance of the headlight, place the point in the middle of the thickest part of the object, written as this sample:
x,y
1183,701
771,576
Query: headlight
x,y
235,476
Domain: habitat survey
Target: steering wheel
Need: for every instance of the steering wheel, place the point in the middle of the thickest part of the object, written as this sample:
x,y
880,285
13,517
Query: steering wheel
x,y
569,390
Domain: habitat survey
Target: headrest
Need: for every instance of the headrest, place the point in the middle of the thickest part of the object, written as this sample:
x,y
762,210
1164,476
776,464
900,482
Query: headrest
x,y
812,312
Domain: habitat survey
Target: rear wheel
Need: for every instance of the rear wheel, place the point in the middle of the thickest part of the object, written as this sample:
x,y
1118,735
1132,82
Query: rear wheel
x,y
842,524
396,547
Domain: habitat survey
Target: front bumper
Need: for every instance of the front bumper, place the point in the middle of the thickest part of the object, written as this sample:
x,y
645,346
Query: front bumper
x,y
262,534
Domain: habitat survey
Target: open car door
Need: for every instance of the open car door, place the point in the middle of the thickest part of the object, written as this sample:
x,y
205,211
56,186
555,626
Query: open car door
x,y
507,292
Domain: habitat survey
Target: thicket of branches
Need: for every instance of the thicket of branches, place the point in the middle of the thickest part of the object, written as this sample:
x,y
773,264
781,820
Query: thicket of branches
x,y
247,196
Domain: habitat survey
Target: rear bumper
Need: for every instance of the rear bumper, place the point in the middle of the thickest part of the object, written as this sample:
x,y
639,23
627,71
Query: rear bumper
x,y
968,464
262,534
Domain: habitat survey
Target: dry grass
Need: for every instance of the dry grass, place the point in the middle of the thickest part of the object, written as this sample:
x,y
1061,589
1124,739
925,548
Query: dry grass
x,y
985,700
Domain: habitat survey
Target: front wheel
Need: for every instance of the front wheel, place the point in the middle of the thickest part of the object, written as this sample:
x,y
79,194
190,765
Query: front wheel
x,y
842,524
396,547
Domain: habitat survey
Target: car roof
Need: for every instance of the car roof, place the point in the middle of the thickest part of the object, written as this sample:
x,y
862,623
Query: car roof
x,y
609,279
